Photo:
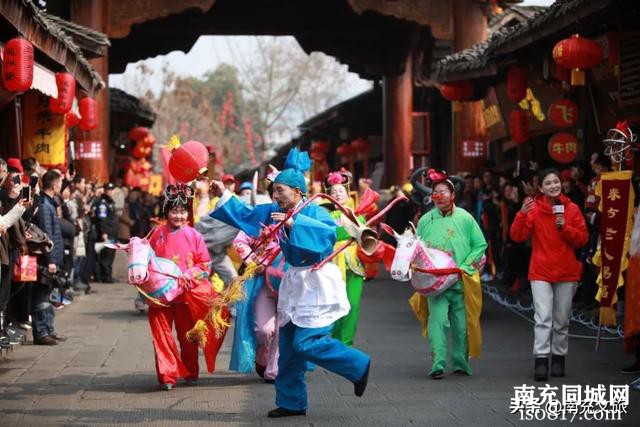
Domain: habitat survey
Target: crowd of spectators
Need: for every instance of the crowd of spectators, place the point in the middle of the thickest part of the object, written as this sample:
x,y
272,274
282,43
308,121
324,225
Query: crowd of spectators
x,y
61,222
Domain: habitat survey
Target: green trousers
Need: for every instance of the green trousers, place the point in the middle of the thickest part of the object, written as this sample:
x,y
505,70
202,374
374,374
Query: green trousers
x,y
447,311
345,328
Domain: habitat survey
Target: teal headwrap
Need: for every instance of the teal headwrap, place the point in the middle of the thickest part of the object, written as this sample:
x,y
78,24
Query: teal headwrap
x,y
295,166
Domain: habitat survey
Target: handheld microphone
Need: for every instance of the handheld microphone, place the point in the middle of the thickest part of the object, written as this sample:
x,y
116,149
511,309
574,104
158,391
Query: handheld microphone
x,y
558,210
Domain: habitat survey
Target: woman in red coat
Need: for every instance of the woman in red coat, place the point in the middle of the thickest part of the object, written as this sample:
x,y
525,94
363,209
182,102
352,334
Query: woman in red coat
x,y
557,228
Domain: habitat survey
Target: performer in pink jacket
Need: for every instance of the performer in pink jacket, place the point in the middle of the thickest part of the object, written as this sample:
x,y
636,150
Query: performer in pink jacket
x,y
179,242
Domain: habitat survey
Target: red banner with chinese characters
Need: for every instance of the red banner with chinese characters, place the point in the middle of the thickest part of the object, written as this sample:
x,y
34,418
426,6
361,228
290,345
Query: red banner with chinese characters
x,y
616,205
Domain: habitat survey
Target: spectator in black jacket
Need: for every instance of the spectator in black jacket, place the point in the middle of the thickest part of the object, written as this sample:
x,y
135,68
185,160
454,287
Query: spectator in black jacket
x,y
42,312
106,223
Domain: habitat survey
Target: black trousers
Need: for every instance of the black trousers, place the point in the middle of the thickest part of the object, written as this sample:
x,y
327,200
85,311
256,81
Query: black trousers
x,y
105,264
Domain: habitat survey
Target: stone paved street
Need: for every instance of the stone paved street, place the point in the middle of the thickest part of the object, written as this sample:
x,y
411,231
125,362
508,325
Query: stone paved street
x,y
104,374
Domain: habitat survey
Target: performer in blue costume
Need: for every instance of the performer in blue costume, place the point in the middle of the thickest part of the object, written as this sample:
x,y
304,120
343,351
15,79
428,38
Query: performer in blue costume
x,y
309,302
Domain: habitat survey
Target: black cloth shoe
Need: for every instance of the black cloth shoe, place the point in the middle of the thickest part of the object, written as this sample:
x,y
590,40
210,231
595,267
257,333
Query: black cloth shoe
x,y
460,373
90,291
437,375
631,370
557,366
268,381
260,370
46,340
541,371
282,412
361,385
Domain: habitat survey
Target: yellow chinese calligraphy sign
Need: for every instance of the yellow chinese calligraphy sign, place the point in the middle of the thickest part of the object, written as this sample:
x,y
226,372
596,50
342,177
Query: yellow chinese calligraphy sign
x,y
44,134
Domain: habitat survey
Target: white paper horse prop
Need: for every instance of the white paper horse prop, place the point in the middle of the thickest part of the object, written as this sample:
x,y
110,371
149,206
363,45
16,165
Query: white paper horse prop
x,y
156,278
431,271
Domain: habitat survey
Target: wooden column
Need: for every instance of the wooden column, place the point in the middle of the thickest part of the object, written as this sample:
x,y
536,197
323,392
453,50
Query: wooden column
x,y
470,27
95,14
397,99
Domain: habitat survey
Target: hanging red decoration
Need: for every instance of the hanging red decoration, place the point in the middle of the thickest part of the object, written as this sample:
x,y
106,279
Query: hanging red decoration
x,y
248,132
563,113
66,84
517,83
457,91
519,126
71,119
320,145
88,113
344,150
141,151
137,133
17,68
360,145
563,147
318,156
577,54
189,161
148,141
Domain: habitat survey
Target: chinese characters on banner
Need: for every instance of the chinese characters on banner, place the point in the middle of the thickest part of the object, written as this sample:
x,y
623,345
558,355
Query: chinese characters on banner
x,y
44,133
474,149
616,206
563,147
563,113
89,150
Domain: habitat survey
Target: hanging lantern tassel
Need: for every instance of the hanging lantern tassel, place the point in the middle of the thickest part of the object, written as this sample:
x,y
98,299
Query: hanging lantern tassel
x,y
577,77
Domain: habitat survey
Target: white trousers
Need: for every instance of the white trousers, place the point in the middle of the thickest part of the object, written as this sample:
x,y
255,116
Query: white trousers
x,y
552,302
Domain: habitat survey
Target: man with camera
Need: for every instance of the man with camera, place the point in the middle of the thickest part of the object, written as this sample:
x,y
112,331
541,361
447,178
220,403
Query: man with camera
x,y
43,313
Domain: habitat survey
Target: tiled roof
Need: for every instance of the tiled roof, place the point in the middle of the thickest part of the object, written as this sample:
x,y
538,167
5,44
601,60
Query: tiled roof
x,y
509,38
81,35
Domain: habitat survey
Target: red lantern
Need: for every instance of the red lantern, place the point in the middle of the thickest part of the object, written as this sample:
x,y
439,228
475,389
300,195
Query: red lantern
x,y
360,145
563,113
17,68
577,53
321,146
88,113
72,119
148,141
519,126
188,161
344,150
318,156
138,133
66,84
563,147
457,91
517,83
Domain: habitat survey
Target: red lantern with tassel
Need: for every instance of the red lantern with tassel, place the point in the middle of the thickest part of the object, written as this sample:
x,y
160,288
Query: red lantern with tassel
x,y
17,68
137,133
66,84
577,54
189,161
88,113
519,126
517,83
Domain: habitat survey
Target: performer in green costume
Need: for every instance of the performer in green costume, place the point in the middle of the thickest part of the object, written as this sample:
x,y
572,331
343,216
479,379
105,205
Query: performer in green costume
x,y
337,185
453,230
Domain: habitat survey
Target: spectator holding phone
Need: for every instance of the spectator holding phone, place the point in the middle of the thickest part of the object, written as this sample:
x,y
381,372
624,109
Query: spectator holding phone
x,y
557,228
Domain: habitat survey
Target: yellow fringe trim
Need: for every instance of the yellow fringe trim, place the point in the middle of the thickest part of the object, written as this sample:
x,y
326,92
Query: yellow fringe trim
x,y
199,333
174,143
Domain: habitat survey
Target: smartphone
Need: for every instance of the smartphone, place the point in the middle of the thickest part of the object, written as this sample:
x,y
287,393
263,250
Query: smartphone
x,y
26,192
16,179
33,181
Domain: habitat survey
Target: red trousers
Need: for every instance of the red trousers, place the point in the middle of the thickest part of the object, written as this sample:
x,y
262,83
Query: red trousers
x,y
169,363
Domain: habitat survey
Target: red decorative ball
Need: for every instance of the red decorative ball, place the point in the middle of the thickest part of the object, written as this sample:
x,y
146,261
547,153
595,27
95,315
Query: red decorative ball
x,y
17,69
137,133
577,52
457,91
189,161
